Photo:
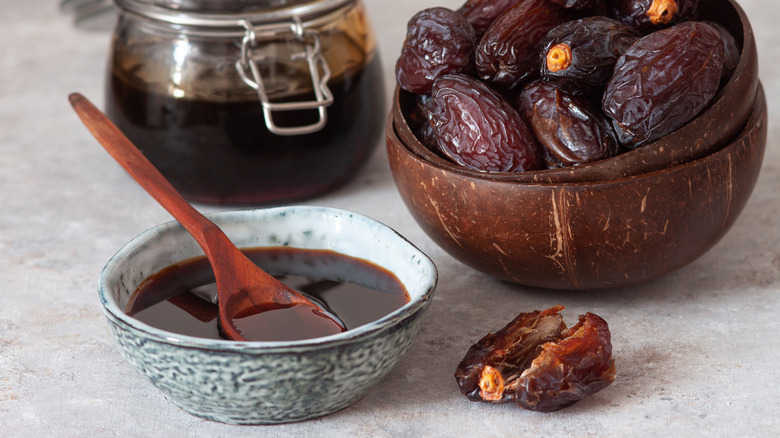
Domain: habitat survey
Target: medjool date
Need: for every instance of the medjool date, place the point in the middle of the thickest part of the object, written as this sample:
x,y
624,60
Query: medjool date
x,y
731,52
438,41
482,13
663,81
651,15
508,51
539,364
418,123
571,130
477,128
581,54
578,4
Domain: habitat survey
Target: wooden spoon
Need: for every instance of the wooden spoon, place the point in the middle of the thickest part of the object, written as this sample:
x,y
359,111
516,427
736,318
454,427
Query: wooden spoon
x,y
243,288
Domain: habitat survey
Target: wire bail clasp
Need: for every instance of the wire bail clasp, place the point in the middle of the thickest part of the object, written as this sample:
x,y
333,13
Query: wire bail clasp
x,y
312,54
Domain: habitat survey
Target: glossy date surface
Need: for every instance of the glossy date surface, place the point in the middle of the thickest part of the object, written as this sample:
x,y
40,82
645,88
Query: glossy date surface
x,y
651,15
663,81
509,50
476,127
482,13
570,128
581,54
731,51
438,41
578,4
538,363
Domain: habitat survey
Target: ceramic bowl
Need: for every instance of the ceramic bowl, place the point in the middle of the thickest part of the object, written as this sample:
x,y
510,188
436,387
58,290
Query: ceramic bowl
x,y
268,382
585,235
715,127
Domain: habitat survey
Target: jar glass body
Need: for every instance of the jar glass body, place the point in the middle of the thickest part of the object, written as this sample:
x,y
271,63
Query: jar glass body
x,y
177,93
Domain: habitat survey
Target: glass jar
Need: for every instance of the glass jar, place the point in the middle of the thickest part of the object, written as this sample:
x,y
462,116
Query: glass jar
x,y
247,102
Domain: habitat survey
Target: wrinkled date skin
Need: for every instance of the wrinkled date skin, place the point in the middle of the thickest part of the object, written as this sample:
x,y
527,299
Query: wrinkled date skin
x,y
571,129
482,13
475,127
581,54
539,364
580,5
418,123
509,50
731,52
651,15
663,81
438,41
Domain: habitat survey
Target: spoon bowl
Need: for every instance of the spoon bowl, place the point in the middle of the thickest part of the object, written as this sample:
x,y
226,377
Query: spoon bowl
x,y
243,287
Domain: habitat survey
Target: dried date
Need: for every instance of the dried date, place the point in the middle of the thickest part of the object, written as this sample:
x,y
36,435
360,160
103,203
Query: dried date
x,y
651,15
477,128
578,4
663,81
438,41
539,363
571,130
418,123
508,51
482,13
426,136
581,54
731,52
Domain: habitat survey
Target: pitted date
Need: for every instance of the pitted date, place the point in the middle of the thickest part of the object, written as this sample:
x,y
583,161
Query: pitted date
x,y
539,363
438,41
509,50
571,130
475,127
482,13
651,15
663,81
581,54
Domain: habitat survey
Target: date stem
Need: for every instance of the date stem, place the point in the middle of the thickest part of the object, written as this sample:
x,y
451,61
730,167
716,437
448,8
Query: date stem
x,y
491,384
559,57
662,11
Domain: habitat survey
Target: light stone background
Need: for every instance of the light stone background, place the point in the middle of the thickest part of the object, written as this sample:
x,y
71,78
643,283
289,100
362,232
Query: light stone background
x,y
697,351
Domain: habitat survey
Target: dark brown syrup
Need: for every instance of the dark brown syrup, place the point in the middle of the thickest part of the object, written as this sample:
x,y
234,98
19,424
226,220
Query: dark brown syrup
x,y
220,152
357,291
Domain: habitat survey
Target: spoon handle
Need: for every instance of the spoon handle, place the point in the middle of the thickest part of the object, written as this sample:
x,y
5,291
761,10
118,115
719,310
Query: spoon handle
x,y
147,175
242,285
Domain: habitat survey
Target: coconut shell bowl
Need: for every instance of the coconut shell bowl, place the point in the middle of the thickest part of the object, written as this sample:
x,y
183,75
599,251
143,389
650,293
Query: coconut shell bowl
x,y
614,222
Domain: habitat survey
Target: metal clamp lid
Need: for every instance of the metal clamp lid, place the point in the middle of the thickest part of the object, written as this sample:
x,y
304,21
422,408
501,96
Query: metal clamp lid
x,y
312,54
261,25
196,21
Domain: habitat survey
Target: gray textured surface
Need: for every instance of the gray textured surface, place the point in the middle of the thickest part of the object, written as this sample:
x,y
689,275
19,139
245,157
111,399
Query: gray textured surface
x,y
696,351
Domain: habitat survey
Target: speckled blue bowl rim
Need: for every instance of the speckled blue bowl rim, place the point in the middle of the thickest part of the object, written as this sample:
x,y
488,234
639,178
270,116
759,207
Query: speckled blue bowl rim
x,y
118,316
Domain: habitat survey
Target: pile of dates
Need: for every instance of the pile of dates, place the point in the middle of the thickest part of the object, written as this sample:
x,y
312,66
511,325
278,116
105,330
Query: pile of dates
x,y
508,85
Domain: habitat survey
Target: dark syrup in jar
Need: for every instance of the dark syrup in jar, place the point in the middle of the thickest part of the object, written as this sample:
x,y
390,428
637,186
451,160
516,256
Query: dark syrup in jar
x,y
173,299
220,152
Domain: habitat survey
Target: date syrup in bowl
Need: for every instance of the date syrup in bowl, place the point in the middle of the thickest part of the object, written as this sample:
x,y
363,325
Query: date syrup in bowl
x,y
179,298
271,382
